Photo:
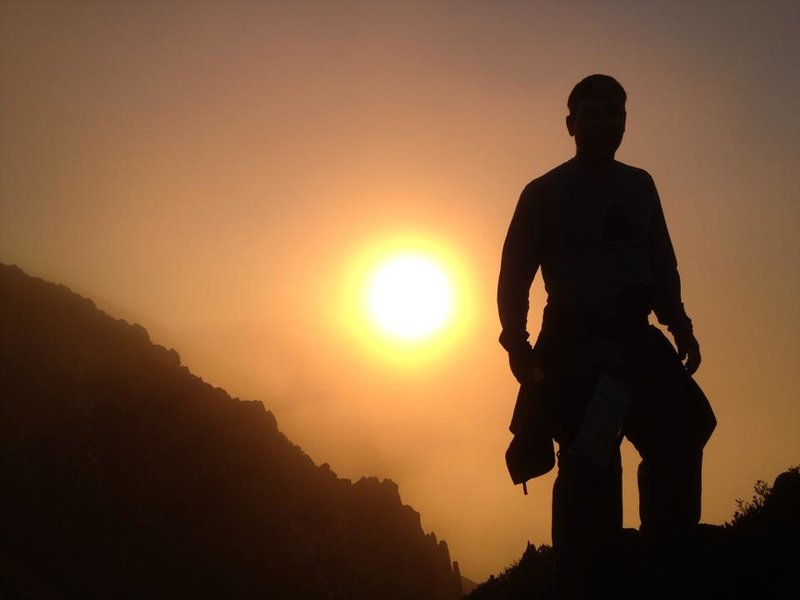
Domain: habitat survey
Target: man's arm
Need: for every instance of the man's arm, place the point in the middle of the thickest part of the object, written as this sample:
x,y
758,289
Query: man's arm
x,y
520,261
667,303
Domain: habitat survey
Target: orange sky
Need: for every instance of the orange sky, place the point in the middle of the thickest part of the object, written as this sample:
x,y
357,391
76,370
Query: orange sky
x,y
216,171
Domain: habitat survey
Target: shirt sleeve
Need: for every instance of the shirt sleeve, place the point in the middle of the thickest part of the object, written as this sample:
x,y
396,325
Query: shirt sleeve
x,y
667,302
521,258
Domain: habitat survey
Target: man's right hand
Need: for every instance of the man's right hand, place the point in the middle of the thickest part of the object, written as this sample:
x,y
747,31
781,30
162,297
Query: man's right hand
x,y
525,367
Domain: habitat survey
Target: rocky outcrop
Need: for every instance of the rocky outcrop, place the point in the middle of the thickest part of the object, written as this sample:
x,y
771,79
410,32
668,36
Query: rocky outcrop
x,y
754,555
125,475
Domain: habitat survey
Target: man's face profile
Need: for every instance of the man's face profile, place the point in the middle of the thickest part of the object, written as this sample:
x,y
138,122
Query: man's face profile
x,y
598,124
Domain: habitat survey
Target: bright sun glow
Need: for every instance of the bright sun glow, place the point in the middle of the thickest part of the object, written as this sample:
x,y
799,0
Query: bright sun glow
x,y
410,297
406,299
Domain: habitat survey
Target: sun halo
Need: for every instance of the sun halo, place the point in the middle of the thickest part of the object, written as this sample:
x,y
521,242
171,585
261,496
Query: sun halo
x,y
410,297
404,344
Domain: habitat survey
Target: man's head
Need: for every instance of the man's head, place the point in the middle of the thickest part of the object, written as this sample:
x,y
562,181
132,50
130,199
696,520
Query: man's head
x,y
597,116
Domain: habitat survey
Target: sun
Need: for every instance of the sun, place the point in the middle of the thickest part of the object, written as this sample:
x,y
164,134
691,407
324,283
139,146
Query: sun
x,y
405,299
410,297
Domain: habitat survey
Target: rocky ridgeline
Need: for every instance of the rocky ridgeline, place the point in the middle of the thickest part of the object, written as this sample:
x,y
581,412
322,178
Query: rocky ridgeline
x,y
754,555
125,475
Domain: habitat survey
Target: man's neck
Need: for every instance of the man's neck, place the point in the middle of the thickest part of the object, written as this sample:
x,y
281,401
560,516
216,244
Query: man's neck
x,y
594,165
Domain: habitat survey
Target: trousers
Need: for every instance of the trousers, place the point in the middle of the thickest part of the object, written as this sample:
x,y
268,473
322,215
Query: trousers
x,y
666,418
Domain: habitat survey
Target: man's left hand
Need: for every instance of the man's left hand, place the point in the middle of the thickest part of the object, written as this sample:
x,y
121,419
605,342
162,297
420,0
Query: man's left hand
x,y
688,351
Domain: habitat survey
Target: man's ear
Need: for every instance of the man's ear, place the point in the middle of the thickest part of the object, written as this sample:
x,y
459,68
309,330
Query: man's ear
x,y
570,125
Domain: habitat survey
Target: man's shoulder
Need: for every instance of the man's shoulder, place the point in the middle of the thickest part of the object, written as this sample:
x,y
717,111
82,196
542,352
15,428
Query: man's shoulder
x,y
566,174
553,178
631,172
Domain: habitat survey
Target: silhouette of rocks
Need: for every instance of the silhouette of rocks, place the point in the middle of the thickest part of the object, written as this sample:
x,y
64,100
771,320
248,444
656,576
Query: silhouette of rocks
x,y
530,577
124,475
755,555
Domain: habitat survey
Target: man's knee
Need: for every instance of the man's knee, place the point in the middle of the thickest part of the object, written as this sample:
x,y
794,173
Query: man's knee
x,y
587,499
670,489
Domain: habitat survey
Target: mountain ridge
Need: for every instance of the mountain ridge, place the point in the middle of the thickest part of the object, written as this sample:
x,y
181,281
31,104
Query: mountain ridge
x,y
128,473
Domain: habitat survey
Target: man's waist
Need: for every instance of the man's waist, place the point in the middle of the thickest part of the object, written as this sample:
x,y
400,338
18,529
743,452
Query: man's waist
x,y
566,318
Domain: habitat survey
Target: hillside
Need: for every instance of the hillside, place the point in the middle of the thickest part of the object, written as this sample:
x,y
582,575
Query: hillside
x,y
754,555
125,475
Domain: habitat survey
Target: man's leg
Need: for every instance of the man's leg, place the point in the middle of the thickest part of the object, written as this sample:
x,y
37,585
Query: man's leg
x,y
669,494
587,525
669,508
664,428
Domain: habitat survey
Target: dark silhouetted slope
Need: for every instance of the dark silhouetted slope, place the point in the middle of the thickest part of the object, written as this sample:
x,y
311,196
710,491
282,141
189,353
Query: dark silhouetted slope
x,y
755,555
124,475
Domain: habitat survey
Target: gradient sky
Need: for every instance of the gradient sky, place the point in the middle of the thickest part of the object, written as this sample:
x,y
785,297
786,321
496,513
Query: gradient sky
x,y
216,171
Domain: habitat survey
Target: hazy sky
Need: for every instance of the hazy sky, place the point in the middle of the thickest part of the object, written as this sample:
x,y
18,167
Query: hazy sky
x,y
217,171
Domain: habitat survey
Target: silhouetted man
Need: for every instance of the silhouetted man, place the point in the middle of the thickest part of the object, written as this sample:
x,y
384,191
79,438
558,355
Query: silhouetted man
x,y
598,370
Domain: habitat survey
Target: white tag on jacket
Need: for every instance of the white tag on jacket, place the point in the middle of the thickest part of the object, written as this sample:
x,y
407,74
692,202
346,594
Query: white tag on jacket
x,y
602,423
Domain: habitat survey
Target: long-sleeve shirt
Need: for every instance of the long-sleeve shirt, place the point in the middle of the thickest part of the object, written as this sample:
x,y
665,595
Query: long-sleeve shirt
x,y
602,244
